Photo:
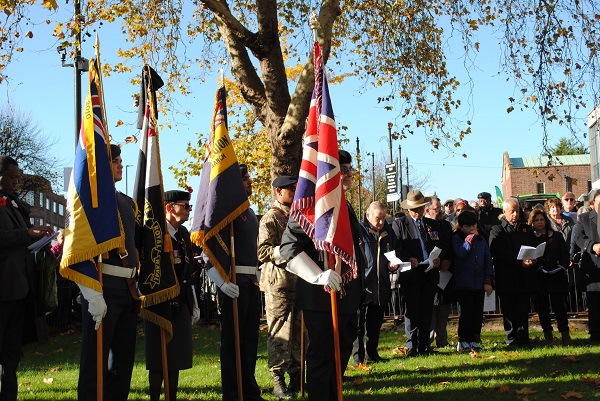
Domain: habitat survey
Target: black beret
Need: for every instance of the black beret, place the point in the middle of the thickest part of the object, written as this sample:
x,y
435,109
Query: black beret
x,y
345,157
176,196
243,169
115,151
484,195
284,181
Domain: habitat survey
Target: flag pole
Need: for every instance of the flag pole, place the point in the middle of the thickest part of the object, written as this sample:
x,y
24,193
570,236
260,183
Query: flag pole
x,y
302,355
165,362
336,334
236,322
100,346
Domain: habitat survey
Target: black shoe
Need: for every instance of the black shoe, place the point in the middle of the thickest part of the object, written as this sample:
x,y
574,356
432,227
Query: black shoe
x,y
426,351
376,358
412,352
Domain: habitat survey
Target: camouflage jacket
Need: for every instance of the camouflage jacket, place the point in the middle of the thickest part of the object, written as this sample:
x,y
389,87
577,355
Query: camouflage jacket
x,y
274,278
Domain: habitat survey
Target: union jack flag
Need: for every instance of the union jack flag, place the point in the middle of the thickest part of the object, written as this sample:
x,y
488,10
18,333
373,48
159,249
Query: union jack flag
x,y
319,204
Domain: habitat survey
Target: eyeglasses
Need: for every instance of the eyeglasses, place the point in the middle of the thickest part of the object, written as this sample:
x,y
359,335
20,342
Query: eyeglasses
x,y
569,199
186,206
346,170
449,204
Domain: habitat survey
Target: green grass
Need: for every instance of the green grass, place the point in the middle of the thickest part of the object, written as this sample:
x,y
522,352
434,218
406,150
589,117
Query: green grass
x,y
496,373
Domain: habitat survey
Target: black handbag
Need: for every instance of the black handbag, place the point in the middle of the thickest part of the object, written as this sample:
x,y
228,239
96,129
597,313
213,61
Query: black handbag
x,y
46,266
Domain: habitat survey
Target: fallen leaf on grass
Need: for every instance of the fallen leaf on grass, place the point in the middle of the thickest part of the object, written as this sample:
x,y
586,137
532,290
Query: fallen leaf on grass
x,y
474,354
556,373
59,350
594,381
570,358
363,366
400,350
38,353
25,384
48,380
442,384
525,398
368,390
423,369
528,362
551,390
489,357
501,388
412,390
54,369
572,394
358,381
526,391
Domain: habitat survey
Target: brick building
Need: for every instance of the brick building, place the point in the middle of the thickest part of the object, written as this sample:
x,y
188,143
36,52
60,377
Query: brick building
x,y
538,175
47,208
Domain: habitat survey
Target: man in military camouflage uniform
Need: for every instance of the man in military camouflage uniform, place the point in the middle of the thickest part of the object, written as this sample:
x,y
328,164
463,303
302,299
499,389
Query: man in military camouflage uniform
x,y
283,317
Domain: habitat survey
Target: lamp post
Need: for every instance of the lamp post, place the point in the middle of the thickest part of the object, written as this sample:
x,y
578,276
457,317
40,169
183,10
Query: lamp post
x,y
359,177
127,178
373,171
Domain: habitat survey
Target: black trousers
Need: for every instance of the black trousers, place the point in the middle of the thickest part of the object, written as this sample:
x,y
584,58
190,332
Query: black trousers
x,y
12,321
320,356
417,318
119,333
370,319
593,303
249,310
471,315
515,313
559,307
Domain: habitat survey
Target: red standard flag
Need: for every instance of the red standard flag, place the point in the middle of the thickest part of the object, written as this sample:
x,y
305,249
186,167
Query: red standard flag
x,y
319,204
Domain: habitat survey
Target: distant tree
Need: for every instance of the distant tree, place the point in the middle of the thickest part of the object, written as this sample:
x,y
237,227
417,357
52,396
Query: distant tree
x,y
21,139
566,146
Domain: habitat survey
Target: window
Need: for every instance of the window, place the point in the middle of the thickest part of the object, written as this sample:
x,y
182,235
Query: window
x,y
540,188
30,198
41,222
61,209
48,204
41,198
32,220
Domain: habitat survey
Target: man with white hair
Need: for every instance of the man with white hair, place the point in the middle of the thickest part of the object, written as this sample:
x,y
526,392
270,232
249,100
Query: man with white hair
x,y
514,278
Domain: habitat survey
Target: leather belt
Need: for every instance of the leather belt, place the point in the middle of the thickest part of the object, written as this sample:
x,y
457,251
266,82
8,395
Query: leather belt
x,y
118,271
245,270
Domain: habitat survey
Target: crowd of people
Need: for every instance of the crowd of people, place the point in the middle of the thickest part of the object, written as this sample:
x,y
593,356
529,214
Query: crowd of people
x,y
421,261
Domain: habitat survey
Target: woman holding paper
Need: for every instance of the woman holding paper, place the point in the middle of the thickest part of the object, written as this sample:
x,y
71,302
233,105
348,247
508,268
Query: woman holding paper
x,y
552,276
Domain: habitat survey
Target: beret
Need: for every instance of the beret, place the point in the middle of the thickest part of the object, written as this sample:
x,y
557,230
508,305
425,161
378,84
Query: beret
x,y
243,169
485,195
345,157
176,196
284,181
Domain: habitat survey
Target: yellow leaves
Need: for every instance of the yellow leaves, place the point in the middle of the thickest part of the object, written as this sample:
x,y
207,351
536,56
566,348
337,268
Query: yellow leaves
x,y
58,31
476,46
50,4
572,394
442,384
510,109
119,123
48,380
131,139
29,34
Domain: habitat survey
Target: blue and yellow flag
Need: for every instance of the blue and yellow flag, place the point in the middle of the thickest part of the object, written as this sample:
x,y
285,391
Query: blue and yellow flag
x,y
92,224
157,282
221,196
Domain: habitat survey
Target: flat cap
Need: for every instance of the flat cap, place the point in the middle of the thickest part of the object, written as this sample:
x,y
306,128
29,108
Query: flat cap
x,y
345,157
284,181
243,169
449,201
176,196
484,195
115,151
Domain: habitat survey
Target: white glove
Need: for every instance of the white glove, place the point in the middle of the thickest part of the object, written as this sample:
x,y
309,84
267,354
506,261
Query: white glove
x,y
229,289
277,258
97,306
305,268
195,309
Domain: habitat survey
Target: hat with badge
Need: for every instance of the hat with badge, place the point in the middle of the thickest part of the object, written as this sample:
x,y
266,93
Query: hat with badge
x,y
484,195
415,199
176,196
284,181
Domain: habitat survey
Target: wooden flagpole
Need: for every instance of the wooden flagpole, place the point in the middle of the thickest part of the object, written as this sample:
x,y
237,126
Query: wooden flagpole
x,y
336,334
165,362
100,346
302,355
236,322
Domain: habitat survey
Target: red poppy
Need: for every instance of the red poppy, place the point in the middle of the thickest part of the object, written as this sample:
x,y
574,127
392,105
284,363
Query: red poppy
x,y
3,201
549,240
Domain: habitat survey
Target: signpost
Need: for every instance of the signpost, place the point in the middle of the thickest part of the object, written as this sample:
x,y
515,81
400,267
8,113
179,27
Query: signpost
x,y
391,176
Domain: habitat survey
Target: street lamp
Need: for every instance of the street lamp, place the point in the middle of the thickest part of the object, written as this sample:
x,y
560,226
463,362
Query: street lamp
x,y
359,177
373,171
127,178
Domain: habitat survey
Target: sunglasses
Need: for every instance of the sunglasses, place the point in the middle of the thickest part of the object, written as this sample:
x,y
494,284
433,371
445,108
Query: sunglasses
x,y
186,206
569,199
346,170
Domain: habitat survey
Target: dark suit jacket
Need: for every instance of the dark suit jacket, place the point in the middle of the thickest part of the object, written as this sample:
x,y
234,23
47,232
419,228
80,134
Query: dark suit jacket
x,y
585,235
185,268
409,246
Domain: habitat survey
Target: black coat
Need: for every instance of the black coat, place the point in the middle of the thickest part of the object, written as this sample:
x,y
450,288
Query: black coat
x,y
555,254
313,297
505,243
409,246
377,277
585,235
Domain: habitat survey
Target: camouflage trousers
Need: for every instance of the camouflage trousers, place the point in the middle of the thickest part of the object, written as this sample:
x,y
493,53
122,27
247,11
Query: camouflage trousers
x,y
284,323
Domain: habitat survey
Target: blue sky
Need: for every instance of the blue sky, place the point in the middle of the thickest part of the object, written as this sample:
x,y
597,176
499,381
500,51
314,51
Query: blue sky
x,y
42,87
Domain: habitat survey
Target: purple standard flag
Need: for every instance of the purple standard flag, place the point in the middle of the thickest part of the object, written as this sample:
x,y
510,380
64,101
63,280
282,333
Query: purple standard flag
x,y
221,196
